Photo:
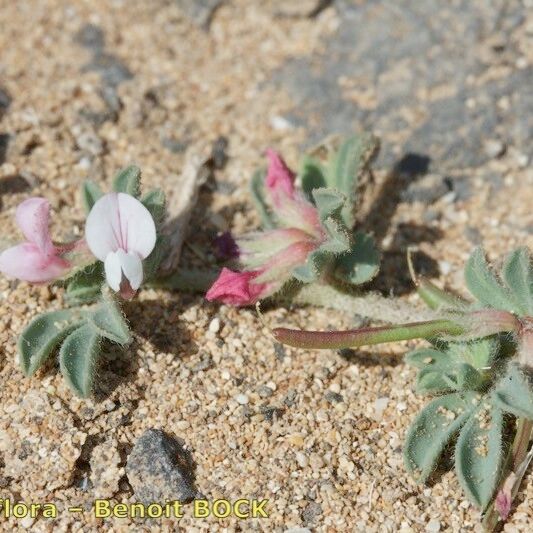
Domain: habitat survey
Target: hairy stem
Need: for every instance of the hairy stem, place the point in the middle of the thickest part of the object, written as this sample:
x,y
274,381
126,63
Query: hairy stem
x,y
517,463
370,305
365,336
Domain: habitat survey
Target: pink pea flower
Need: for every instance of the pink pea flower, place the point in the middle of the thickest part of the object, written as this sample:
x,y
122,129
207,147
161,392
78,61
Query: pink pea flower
x,y
236,288
268,258
38,260
121,232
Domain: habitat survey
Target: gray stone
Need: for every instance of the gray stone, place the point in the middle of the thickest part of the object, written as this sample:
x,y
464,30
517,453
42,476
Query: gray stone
x,y
160,469
310,514
427,189
90,36
264,391
200,12
404,59
333,397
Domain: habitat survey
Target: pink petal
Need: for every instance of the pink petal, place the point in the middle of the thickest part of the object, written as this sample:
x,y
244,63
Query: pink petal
x,y
236,288
33,218
297,212
280,266
120,221
279,179
27,262
257,249
503,504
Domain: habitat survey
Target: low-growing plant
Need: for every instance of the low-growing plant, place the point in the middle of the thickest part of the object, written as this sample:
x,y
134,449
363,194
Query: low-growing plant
x,y
308,237
478,371
121,249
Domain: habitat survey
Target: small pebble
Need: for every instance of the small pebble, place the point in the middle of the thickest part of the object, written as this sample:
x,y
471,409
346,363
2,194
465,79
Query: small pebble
x,y
302,459
214,325
494,148
433,526
241,399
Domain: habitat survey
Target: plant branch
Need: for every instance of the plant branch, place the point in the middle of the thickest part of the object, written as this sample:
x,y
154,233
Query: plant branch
x,y
335,340
370,305
518,462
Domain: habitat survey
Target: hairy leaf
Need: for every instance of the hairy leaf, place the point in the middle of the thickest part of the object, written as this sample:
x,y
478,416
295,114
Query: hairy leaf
x,y
42,336
313,176
155,202
513,393
257,190
485,286
90,193
447,377
432,430
108,321
479,454
86,285
128,181
78,358
361,263
346,167
518,275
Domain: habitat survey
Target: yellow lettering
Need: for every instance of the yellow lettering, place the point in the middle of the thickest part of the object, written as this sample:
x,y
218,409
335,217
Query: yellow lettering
x,y
154,510
34,509
201,509
238,512
102,509
258,510
120,510
177,509
49,510
137,507
20,510
226,508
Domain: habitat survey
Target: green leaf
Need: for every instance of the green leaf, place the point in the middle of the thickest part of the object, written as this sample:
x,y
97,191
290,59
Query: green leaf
x,y
329,202
518,276
257,190
42,336
78,358
152,262
313,175
446,377
155,202
346,167
108,321
316,263
128,181
437,298
513,393
479,353
432,430
86,285
479,454
90,193
485,286
361,263
425,356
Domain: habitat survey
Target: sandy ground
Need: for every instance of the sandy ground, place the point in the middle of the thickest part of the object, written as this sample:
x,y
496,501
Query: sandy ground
x,y
90,86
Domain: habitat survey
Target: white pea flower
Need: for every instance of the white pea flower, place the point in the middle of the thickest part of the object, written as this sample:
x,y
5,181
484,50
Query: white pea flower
x,y
121,232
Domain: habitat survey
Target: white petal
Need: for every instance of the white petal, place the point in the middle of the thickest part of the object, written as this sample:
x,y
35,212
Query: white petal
x,y
132,268
137,226
118,220
102,229
113,270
